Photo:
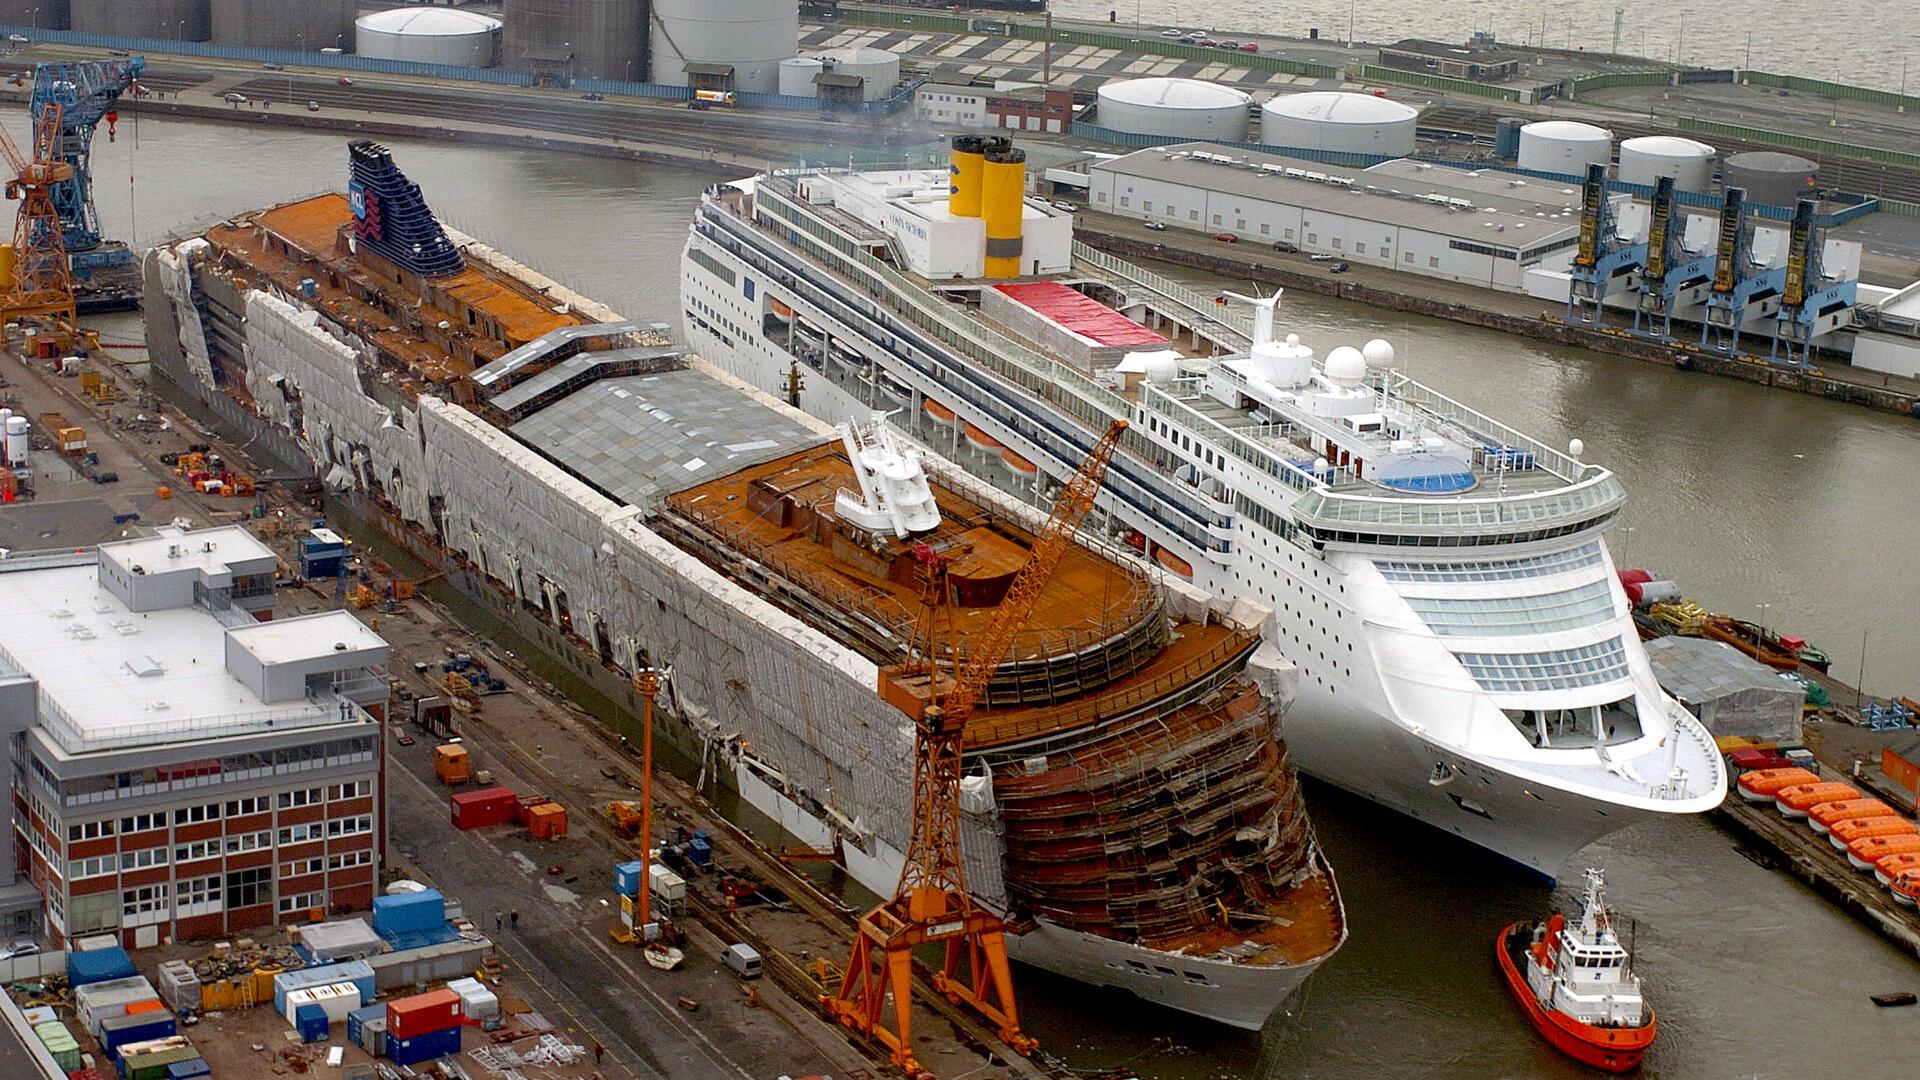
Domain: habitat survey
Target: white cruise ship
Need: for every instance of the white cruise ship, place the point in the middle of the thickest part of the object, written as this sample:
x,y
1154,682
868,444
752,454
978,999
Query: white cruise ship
x,y
1441,579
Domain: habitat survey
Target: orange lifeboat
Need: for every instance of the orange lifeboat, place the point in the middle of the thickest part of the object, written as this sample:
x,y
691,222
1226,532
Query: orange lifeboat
x,y
1822,817
980,440
1020,466
1173,562
1905,887
1890,866
780,309
1846,832
1795,801
1763,784
1865,852
940,413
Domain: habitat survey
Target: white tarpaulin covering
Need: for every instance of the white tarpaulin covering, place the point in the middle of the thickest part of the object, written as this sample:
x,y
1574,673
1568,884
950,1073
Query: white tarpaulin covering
x,y
176,278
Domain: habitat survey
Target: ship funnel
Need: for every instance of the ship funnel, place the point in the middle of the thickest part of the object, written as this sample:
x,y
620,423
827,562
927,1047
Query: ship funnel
x,y
1003,203
967,163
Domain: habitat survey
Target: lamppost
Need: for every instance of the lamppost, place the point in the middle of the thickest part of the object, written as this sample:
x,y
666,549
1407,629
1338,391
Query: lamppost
x,y
1760,627
180,30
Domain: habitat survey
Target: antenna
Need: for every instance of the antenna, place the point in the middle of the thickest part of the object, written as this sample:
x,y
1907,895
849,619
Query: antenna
x,y
1264,309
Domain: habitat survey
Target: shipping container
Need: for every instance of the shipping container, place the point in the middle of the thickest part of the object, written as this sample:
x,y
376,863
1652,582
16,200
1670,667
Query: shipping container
x,y
310,1020
224,994
359,1017
487,806
99,965
407,968
666,884
59,1042
424,1047
153,1064
548,821
435,1010
339,942
119,1031
409,913
336,1001
357,972
373,1037
451,764
626,878
189,1070
477,1003
101,1000
179,987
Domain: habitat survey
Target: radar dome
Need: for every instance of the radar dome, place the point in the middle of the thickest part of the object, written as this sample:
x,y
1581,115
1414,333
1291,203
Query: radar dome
x,y
1575,448
1292,340
1346,366
1161,367
1379,354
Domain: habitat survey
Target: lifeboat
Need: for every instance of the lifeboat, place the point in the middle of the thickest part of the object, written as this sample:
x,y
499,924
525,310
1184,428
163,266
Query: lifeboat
x,y
1763,785
894,388
1021,466
1846,832
982,441
1905,887
1795,801
940,414
780,309
1889,867
1576,984
1865,852
1173,562
1822,817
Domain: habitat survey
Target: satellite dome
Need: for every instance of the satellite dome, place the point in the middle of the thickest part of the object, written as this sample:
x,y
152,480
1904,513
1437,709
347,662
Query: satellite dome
x,y
1379,354
1346,366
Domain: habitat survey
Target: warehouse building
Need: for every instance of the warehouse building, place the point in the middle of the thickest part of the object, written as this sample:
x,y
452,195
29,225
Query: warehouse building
x,y
1410,216
183,770
1021,108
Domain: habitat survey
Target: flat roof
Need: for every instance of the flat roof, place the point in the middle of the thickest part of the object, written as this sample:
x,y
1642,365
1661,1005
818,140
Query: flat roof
x,y
212,550
303,637
640,437
1449,51
1698,670
1264,177
112,678
1080,313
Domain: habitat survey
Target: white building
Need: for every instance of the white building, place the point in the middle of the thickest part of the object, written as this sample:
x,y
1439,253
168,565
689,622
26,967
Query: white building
x,y
1439,222
181,770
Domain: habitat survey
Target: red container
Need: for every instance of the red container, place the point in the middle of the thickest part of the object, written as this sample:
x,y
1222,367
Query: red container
x,y
423,1014
1748,758
478,809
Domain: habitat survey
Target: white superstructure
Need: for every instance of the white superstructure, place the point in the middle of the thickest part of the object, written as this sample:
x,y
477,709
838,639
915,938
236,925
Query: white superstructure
x,y
1589,975
1442,580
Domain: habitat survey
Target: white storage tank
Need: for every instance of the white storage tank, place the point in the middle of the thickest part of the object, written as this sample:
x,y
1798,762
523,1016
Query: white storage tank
x,y
877,69
796,76
1181,108
1649,157
19,441
1346,122
749,36
1564,147
431,35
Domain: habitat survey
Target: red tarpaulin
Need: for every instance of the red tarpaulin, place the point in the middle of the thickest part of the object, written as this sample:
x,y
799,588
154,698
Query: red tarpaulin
x,y
1081,313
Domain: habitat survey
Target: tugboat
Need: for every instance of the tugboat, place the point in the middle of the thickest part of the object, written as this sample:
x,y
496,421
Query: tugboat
x,y
1577,986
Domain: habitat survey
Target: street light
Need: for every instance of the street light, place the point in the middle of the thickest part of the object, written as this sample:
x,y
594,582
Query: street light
x,y
1760,627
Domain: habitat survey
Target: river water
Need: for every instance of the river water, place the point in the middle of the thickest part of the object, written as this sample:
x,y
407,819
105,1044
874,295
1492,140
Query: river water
x,y
1862,44
1745,496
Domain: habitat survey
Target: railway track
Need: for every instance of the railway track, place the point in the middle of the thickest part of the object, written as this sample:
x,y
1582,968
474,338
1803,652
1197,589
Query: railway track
x,y
1837,173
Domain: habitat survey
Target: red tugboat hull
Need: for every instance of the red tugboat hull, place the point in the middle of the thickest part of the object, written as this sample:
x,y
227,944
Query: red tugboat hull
x,y
1615,1050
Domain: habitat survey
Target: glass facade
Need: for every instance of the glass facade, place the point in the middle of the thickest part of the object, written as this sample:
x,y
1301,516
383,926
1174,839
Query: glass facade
x,y
1559,669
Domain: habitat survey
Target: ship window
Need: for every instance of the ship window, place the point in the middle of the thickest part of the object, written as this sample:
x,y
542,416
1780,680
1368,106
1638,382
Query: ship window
x,y
1499,616
1494,570
1557,669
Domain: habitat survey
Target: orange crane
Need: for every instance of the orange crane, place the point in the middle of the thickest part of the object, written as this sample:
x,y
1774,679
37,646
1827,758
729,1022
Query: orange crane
x,y
41,280
931,902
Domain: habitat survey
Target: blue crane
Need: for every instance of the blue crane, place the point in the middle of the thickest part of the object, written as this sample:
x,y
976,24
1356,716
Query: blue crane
x,y
1674,277
1740,287
1602,258
86,92
1810,303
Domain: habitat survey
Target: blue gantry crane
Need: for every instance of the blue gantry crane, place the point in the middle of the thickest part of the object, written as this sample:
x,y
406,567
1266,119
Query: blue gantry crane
x,y
1810,304
1740,286
1602,258
1673,277
85,92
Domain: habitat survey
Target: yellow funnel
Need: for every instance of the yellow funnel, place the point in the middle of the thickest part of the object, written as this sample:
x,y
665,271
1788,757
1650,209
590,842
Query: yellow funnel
x,y
1002,200
967,162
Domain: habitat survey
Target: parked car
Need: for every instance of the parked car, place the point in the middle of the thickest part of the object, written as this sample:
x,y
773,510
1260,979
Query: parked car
x,y
1170,32
1230,45
1248,46
1323,257
1287,246
1226,238
22,947
1339,268
1156,226
344,81
1191,39
313,106
594,96
274,67
1206,43
234,99
1062,204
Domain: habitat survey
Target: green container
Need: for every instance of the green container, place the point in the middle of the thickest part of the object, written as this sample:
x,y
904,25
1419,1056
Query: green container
x,y
60,1043
154,1066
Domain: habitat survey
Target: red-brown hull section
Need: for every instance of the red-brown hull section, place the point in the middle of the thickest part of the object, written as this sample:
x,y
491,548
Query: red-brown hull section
x,y
1615,1050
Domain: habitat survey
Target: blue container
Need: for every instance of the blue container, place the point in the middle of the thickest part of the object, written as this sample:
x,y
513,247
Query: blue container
x,y
99,965
119,1031
311,1022
409,913
357,972
626,877
358,1018
700,849
425,1047
189,1070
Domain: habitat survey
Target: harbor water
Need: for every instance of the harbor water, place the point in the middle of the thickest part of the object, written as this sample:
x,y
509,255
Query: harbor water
x,y
1746,496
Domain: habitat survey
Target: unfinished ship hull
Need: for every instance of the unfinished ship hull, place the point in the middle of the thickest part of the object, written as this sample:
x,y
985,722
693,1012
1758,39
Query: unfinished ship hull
x,y
1133,811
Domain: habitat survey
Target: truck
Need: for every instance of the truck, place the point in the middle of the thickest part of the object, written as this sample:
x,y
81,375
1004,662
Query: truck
x,y
707,99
